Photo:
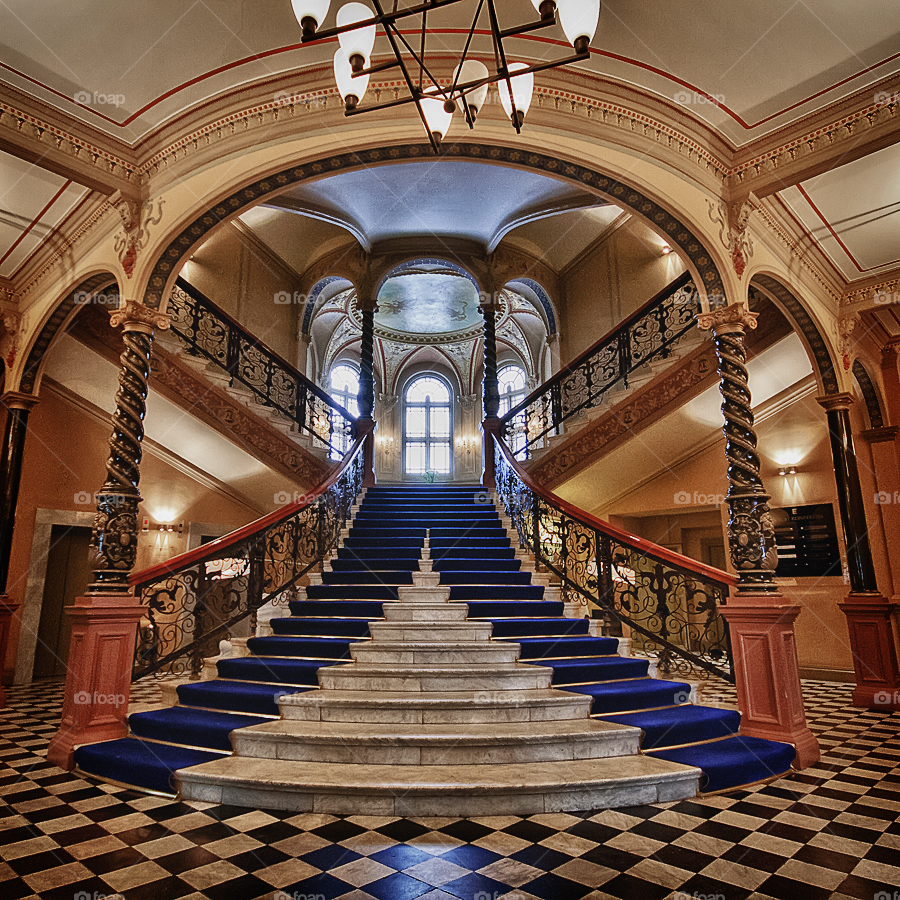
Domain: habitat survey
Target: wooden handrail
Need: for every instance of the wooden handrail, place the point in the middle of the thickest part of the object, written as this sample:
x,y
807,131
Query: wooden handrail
x,y
673,286
624,537
215,548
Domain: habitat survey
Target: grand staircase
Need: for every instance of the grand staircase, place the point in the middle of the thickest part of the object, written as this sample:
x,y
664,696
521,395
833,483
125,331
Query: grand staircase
x,y
433,672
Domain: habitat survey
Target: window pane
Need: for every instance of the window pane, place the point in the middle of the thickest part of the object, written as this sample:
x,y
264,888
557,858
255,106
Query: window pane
x,y
345,378
511,377
440,422
440,458
423,388
415,458
415,421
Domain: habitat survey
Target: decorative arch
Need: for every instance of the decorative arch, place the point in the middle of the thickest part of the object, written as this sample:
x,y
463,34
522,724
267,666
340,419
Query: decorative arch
x,y
539,295
677,233
870,395
816,345
66,310
313,299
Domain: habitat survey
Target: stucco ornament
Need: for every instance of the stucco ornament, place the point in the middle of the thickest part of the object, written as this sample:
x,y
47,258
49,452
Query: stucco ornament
x,y
137,220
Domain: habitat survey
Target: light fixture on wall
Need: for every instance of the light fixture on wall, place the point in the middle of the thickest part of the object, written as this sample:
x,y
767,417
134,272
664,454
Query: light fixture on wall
x,y
466,444
356,26
787,470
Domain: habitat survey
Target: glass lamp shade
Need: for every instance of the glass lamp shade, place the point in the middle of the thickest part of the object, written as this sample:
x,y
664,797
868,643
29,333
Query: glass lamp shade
x,y
311,9
347,85
436,117
472,70
522,89
360,40
579,18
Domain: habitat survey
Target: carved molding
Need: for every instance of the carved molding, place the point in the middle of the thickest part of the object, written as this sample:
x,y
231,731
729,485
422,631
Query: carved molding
x,y
732,318
137,317
137,220
732,219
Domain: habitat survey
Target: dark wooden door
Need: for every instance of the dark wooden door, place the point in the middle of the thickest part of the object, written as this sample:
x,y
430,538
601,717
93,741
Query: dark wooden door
x,y
68,575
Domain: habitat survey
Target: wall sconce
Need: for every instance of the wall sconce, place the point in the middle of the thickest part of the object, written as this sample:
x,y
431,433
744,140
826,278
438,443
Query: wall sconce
x,y
666,249
787,470
466,444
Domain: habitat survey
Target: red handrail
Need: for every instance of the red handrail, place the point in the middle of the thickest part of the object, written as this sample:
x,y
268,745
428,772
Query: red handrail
x,y
624,537
214,548
570,367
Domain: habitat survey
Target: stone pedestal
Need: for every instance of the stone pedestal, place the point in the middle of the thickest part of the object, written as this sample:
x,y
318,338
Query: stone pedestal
x,y
871,626
98,684
365,427
767,674
7,610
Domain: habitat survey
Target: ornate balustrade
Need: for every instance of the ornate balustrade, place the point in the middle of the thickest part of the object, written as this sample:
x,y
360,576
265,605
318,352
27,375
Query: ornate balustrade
x,y
194,600
670,602
648,334
211,333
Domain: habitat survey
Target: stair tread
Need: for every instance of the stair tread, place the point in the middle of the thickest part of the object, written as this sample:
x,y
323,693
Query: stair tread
x,y
451,779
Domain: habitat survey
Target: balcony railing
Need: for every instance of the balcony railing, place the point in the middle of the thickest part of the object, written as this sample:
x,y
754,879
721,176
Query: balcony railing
x,y
198,598
209,332
647,335
670,602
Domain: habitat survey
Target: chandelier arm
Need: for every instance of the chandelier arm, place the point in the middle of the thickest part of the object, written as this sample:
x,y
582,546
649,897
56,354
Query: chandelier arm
x,y
421,61
502,67
383,19
389,31
524,29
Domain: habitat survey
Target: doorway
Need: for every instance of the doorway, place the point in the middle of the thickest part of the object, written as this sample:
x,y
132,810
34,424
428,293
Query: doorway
x,y
68,574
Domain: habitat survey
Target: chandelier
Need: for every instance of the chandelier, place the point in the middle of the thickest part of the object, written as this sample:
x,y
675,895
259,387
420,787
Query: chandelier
x,y
356,26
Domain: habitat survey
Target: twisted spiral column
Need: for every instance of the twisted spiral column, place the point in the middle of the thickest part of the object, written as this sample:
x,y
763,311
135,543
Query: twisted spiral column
x,y
366,396
114,540
491,395
751,531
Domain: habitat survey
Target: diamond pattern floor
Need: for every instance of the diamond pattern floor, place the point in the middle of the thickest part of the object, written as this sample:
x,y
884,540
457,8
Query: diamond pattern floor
x,y
828,832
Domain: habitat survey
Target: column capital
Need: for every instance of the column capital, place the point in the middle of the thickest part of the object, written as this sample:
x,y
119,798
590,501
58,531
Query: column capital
x,y
134,316
727,319
831,402
19,400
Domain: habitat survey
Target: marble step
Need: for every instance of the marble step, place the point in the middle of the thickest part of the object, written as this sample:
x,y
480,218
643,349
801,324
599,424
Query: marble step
x,y
489,743
356,677
442,610
432,707
481,790
414,632
441,649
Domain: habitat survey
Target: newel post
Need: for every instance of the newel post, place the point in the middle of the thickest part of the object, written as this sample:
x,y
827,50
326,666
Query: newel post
x,y
760,619
105,621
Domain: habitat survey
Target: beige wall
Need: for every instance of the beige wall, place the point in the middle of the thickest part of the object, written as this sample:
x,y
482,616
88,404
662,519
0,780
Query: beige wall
x,y
245,281
65,464
610,282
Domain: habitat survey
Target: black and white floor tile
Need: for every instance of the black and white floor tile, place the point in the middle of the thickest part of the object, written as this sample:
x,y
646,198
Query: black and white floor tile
x,y
831,831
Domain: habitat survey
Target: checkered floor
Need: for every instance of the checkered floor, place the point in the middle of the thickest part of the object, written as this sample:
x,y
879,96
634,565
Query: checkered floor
x,y
831,831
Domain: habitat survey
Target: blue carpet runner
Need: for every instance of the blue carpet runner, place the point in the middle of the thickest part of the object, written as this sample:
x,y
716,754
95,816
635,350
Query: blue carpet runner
x,y
472,551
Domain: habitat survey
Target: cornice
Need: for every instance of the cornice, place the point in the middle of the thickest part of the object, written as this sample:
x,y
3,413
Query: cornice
x,y
872,293
786,231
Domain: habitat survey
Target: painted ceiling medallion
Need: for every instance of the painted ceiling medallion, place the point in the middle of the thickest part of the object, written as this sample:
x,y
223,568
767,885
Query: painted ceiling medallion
x,y
428,307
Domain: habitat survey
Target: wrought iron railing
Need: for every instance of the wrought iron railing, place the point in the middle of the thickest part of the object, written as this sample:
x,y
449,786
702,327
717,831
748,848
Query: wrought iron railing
x,y
198,598
211,333
647,335
671,603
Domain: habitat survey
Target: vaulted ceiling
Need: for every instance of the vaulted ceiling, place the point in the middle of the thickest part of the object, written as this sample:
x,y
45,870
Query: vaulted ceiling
x,y
746,72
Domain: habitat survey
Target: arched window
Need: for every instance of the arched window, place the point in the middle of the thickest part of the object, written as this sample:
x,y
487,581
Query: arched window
x,y
427,426
344,383
511,384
